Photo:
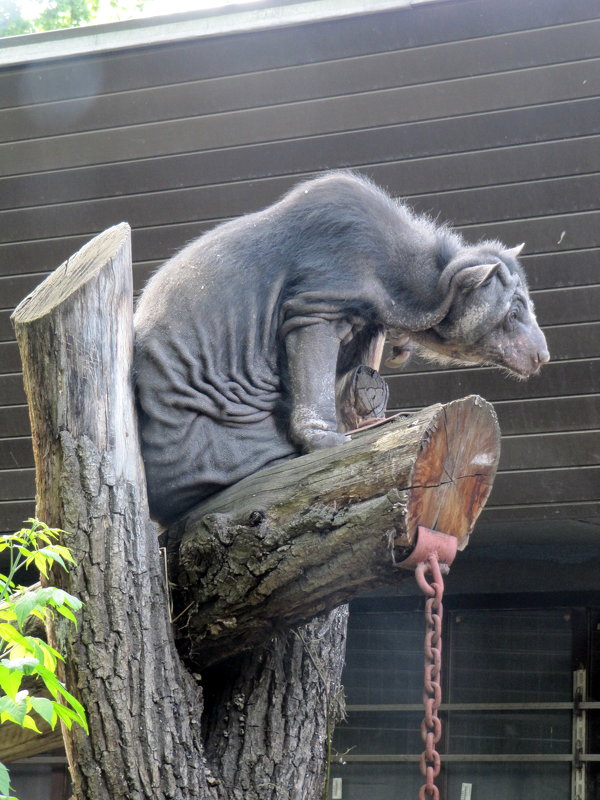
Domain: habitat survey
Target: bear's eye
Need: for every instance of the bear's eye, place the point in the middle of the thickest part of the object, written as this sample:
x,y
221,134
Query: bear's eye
x,y
513,315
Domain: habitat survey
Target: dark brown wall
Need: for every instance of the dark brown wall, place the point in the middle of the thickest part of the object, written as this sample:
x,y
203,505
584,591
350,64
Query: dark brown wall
x,y
482,113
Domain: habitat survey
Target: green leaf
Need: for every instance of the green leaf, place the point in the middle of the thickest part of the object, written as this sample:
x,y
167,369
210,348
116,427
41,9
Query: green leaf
x,y
11,635
14,710
24,666
55,687
63,551
67,715
50,554
45,654
24,605
68,614
10,681
38,600
30,724
45,708
41,615
50,680
40,562
7,705
77,708
45,594
50,595
4,780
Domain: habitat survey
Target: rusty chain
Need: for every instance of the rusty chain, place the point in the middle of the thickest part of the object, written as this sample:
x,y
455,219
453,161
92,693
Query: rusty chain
x,y
431,726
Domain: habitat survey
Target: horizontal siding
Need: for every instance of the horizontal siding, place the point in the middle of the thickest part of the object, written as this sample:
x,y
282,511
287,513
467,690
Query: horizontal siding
x,y
481,113
572,449
545,234
372,146
17,484
557,269
562,379
13,513
540,512
15,453
539,415
14,420
461,97
498,200
12,389
576,235
546,487
308,44
350,75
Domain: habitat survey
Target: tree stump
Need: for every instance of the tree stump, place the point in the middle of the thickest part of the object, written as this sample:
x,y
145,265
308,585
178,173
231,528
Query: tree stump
x,y
75,334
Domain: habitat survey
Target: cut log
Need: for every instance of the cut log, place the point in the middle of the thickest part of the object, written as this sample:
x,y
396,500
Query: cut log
x,y
300,538
362,396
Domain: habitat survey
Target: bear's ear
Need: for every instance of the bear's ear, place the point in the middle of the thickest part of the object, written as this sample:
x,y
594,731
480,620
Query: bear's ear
x,y
515,252
471,278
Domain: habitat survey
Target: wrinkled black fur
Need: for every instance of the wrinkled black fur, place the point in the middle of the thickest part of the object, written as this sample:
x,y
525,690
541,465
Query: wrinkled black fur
x,y
242,336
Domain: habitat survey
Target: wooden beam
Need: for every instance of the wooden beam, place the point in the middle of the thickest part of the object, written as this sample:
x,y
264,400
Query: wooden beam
x,y
17,743
292,541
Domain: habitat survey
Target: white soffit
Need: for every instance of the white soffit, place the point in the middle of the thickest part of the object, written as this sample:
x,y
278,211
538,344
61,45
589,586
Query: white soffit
x,y
145,31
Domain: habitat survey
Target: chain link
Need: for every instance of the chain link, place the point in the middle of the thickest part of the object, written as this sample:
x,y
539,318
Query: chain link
x,y
431,726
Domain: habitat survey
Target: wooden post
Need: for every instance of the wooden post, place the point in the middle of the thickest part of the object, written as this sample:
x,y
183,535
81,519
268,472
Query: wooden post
x,y
75,334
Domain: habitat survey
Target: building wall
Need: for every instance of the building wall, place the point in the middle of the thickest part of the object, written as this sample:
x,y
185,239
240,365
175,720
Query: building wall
x,y
478,112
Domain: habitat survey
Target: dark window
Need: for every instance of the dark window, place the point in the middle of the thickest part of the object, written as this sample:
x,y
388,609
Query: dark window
x,y
508,705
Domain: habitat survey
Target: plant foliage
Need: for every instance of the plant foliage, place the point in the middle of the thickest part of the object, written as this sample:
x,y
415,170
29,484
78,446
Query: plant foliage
x,y
50,15
24,656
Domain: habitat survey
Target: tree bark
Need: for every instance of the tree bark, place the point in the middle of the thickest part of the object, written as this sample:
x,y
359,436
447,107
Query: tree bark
x,y
298,539
270,713
75,335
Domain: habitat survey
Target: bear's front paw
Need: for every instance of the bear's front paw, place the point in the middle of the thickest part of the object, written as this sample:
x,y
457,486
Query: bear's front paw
x,y
319,440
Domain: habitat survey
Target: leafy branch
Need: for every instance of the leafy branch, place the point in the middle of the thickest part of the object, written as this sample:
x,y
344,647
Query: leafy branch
x,y
22,655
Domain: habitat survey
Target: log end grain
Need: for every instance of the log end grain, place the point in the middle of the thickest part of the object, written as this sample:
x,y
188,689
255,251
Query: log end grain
x,y
454,472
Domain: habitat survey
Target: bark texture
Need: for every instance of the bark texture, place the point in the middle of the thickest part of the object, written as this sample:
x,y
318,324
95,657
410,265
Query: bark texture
x,y
298,539
270,713
75,337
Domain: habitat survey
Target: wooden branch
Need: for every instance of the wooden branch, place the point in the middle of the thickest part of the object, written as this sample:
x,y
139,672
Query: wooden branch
x,y
294,540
